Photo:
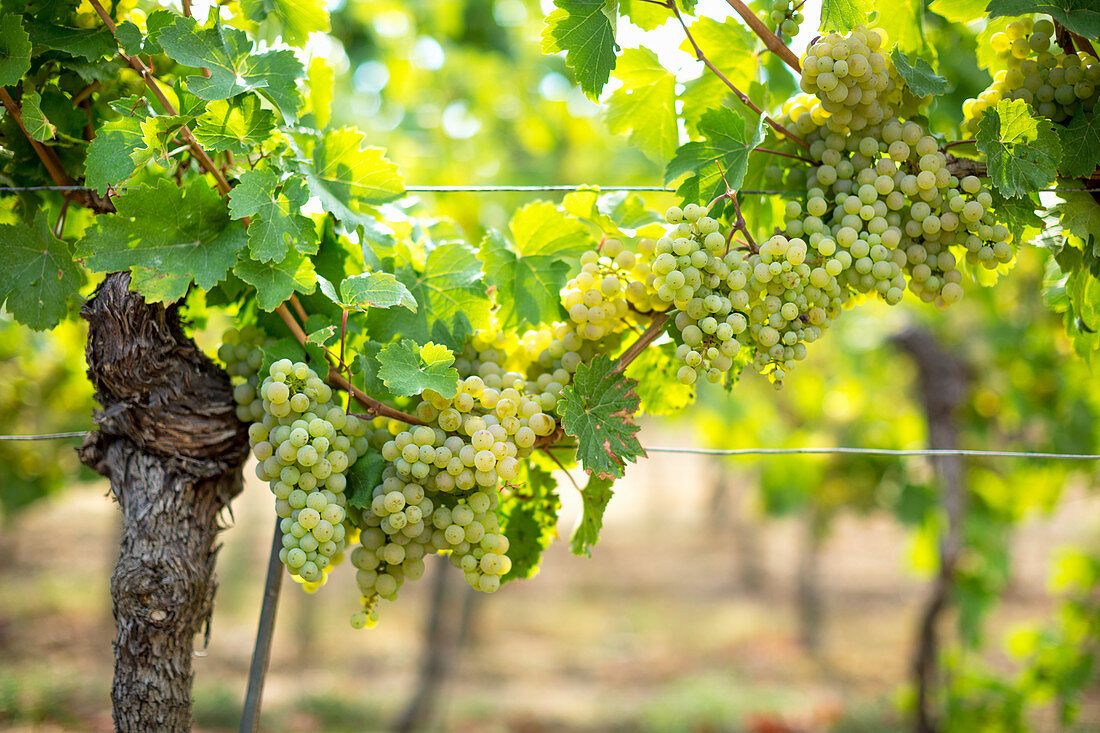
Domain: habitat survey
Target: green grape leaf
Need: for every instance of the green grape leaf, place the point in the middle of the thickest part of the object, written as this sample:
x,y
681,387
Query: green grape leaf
x,y
235,66
38,127
38,275
529,275
1018,214
273,206
157,138
903,22
1079,214
659,391
529,519
277,281
1022,152
596,409
363,476
644,14
91,44
1083,291
408,369
236,126
594,499
345,175
585,31
53,10
130,38
15,50
178,232
920,77
1080,144
321,77
298,18
451,293
375,290
1080,16
959,11
844,15
731,48
645,105
720,160
109,161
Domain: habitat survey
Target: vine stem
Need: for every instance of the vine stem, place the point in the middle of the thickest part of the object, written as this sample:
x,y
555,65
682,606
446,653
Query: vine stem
x,y
150,81
261,651
740,94
770,40
336,379
655,329
780,153
953,143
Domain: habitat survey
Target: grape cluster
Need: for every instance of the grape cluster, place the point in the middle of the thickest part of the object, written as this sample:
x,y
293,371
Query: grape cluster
x,y
242,353
852,78
304,445
1055,84
441,482
596,297
692,271
786,16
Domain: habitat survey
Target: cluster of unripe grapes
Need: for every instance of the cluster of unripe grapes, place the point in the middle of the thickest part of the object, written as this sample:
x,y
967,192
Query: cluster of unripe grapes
x,y
786,16
694,273
852,77
1055,84
596,297
303,444
242,353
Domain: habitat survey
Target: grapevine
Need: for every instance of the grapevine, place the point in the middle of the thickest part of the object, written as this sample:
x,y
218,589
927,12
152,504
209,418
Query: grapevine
x,y
205,160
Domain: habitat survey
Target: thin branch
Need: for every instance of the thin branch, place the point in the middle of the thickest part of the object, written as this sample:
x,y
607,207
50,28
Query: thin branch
x,y
656,328
336,379
52,163
952,144
770,40
297,306
564,470
137,65
741,226
740,94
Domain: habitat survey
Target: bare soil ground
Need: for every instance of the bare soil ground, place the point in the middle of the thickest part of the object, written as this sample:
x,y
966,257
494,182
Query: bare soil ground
x,y
656,631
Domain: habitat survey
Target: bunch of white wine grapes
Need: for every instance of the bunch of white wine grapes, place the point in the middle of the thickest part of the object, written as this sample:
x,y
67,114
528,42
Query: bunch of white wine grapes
x,y
304,445
786,16
694,273
441,483
242,353
1055,84
595,297
853,78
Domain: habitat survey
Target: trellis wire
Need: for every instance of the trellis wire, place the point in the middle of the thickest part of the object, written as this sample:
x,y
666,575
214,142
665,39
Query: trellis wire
x,y
519,189
823,450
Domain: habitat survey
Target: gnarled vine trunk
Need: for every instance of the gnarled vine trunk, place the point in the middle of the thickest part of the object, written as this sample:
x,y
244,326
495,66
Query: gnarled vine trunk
x,y
170,443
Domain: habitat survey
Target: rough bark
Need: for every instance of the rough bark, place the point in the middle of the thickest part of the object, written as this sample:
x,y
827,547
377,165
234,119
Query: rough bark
x,y
171,445
943,381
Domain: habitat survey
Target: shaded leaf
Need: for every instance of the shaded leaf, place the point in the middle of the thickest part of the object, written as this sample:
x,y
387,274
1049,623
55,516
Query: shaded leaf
x,y
594,499
38,275
273,205
277,281
597,409
15,50
1022,152
920,77
185,233
530,274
